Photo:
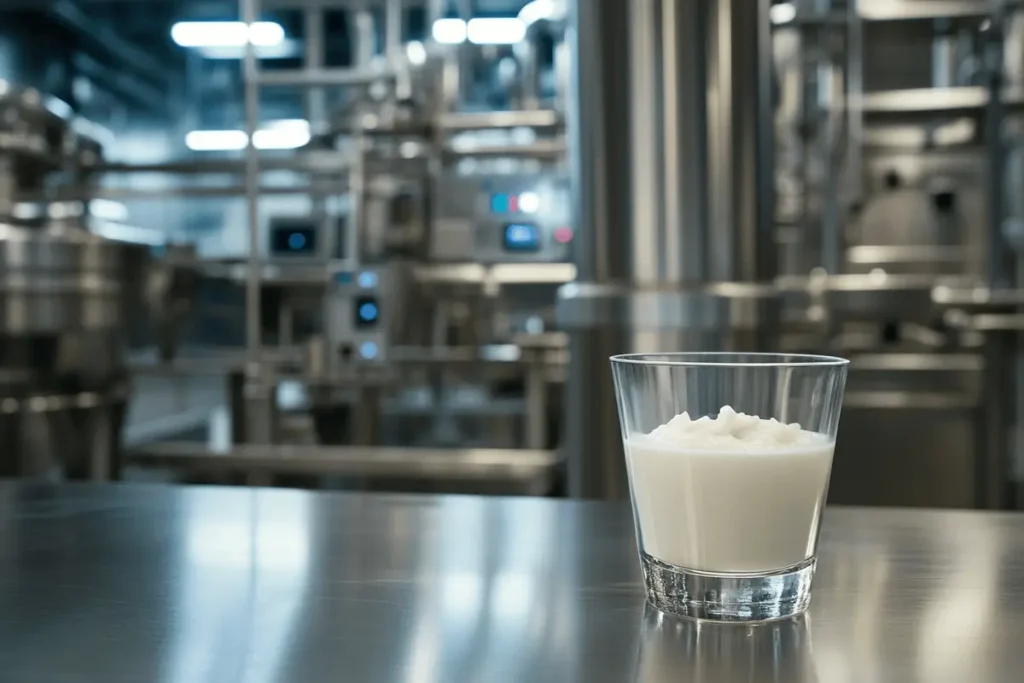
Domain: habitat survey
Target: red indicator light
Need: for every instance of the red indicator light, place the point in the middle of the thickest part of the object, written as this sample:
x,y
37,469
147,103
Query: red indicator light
x,y
513,204
563,235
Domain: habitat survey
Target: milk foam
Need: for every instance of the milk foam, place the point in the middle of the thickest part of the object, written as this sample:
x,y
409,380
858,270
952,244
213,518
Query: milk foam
x,y
731,431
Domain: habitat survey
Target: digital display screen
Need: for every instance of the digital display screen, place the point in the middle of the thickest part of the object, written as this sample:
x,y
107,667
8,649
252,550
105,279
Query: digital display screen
x,y
293,240
522,237
367,311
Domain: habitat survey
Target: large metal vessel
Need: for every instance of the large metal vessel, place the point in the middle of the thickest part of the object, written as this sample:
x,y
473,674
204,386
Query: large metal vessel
x,y
63,298
673,201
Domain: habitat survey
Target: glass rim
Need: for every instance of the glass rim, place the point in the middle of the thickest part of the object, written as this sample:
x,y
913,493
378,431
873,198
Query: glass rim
x,y
719,359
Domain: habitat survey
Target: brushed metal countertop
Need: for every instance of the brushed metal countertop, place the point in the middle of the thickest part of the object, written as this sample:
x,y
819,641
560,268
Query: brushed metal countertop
x,y
143,583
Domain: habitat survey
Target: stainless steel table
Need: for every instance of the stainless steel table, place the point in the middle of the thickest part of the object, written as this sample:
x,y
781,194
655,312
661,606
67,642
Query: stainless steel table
x,y
128,583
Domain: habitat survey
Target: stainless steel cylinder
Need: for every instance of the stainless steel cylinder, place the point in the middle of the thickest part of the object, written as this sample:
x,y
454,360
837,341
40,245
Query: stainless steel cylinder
x,y
671,125
63,297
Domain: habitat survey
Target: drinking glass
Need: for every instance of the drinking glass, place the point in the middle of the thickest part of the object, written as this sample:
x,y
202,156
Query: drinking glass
x,y
727,514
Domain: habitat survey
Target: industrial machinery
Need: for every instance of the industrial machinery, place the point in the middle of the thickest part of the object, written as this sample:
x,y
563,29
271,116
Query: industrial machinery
x,y
896,168
64,302
413,306
481,226
879,222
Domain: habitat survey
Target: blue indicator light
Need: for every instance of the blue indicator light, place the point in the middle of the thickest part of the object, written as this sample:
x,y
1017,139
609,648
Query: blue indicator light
x,y
368,312
499,203
368,279
296,241
522,237
368,350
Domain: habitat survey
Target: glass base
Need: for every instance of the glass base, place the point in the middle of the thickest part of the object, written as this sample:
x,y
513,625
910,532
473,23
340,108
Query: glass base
x,y
728,597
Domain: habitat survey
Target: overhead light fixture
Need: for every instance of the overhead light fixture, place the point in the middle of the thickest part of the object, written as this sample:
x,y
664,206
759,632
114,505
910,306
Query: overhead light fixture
x,y
449,31
416,52
286,49
496,31
108,210
285,134
216,140
226,33
783,13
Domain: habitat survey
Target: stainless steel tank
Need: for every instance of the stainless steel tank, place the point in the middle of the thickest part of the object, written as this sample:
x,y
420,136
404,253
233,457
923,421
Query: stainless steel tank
x,y
63,298
672,159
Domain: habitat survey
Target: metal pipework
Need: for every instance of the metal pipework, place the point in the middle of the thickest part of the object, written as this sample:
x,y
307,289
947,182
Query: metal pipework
x,y
259,405
671,133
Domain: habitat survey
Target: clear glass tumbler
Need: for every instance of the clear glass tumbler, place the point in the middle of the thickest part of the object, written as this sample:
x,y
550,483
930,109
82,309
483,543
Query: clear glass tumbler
x,y
729,456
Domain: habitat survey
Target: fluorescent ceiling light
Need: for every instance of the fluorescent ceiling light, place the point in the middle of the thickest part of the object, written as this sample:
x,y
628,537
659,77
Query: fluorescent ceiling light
x,y
537,11
226,33
496,31
783,13
108,210
286,49
449,31
286,134
416,52
505,31
216,140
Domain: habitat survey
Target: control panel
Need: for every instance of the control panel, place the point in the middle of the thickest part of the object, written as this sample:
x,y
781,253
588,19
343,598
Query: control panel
x,y
502,218
357,317
293,237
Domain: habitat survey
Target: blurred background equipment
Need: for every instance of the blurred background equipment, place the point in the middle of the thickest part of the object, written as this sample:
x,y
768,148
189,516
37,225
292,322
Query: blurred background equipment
x,y
391,243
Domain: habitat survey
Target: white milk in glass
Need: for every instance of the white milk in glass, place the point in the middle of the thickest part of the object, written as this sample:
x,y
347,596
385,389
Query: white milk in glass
x,y
735,493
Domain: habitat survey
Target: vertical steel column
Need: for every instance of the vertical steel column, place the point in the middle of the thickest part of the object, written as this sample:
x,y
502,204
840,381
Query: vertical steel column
x,y
598,113
435,11
393,31
647,244
996,413
526,55
741,156
363,36
253,276
685,157
316,114
313,54
670,127
854,104
999,253
466,55
259,406
943,55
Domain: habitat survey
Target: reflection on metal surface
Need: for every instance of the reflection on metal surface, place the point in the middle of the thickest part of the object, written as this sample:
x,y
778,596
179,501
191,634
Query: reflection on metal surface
x,y
539,118
246,549
518,273
926,100
208,585
516,470
889,10
957,631
682,650
888,254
